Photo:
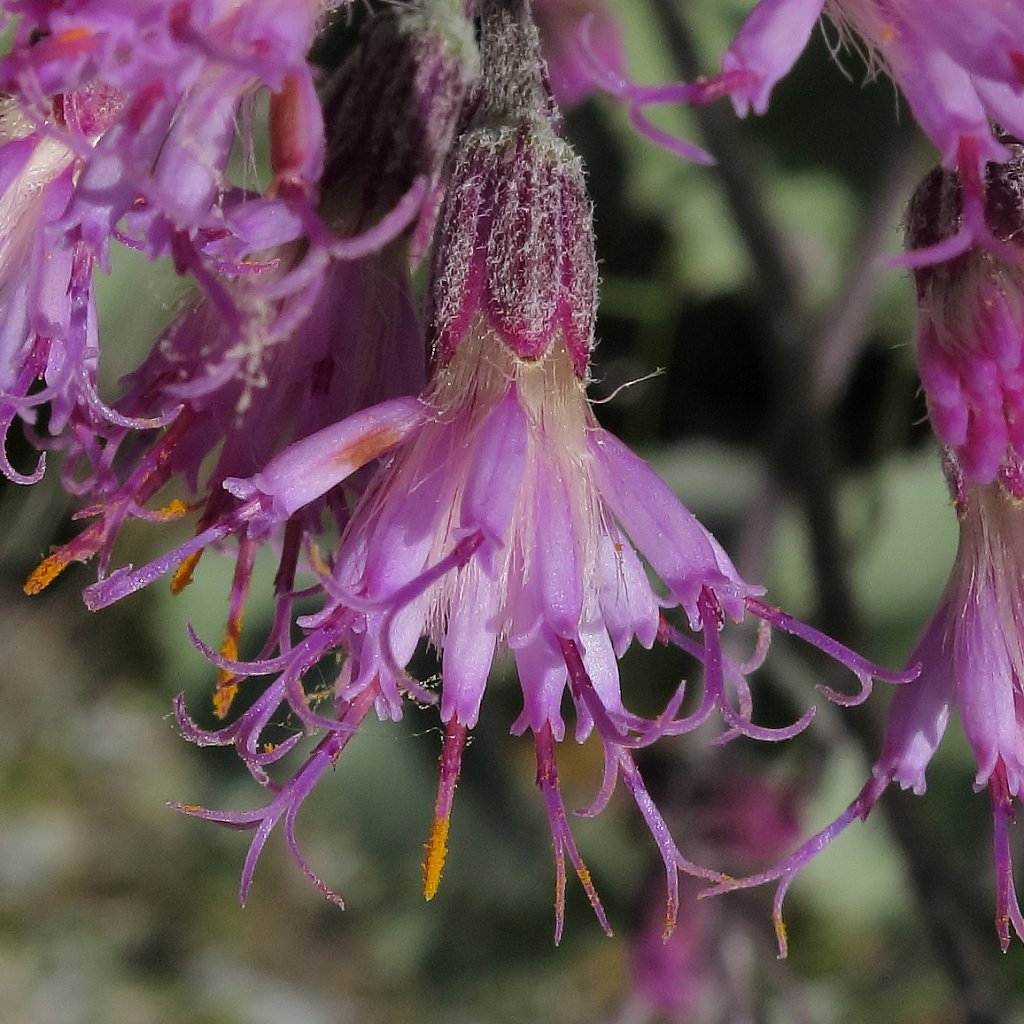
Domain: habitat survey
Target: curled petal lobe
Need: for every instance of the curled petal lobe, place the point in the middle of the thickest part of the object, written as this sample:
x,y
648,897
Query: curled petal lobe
x,y
679,548
768,44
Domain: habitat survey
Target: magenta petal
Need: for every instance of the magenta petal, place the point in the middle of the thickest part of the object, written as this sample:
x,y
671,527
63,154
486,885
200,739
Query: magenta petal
x,y
944,101
311,467
469,644
628,605
987,658
768,43
920,710
542,675
603,670
679,548
492,488
560,582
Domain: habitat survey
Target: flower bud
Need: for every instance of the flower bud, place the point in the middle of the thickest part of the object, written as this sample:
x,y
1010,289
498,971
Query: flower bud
x,y
515,251
393,109
971,325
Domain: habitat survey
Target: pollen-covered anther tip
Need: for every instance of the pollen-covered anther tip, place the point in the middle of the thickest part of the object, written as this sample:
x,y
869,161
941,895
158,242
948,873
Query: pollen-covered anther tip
x,y
183,574
45,573
72,35
1003,931
224,696
174,509
436,848
227,681
781,936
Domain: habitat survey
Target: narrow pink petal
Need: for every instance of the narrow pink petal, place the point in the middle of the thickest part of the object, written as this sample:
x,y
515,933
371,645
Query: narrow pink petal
x,y
768,43
680,549
495,477
557,555
311,467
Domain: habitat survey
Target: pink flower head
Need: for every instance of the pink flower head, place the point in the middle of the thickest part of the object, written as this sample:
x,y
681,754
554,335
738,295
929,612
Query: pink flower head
x,y
955,63
313,332
971,657
158,172
48,343
971,357
119,127
958,65
503,518
394,108
971,327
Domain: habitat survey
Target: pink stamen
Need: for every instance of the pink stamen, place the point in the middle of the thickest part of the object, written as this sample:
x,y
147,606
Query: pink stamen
x,y
561,835
436,847
1007,906
786,872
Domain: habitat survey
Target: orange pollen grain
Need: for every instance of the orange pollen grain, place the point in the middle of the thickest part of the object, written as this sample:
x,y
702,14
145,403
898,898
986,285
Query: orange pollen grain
x,y
887,34
226,686
73,35
183,574
174,509
368,447
437,851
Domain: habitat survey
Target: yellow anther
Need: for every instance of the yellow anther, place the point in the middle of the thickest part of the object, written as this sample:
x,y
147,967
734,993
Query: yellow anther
x,y
45,573
174,509
222,699
436,852
73,35
183,574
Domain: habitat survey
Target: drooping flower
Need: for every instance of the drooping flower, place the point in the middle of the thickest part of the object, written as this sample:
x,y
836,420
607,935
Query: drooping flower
x,y
504,516
48,341
971,359
182,70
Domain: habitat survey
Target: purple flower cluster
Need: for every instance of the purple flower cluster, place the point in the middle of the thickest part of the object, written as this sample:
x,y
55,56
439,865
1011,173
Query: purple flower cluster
x,y
447,440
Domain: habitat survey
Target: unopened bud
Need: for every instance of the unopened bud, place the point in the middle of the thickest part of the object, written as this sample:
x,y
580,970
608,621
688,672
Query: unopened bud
x,y
971,325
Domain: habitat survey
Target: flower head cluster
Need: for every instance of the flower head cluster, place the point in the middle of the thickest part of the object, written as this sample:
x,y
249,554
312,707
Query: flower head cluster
x,y
117,128
321,326
500,515
482,513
